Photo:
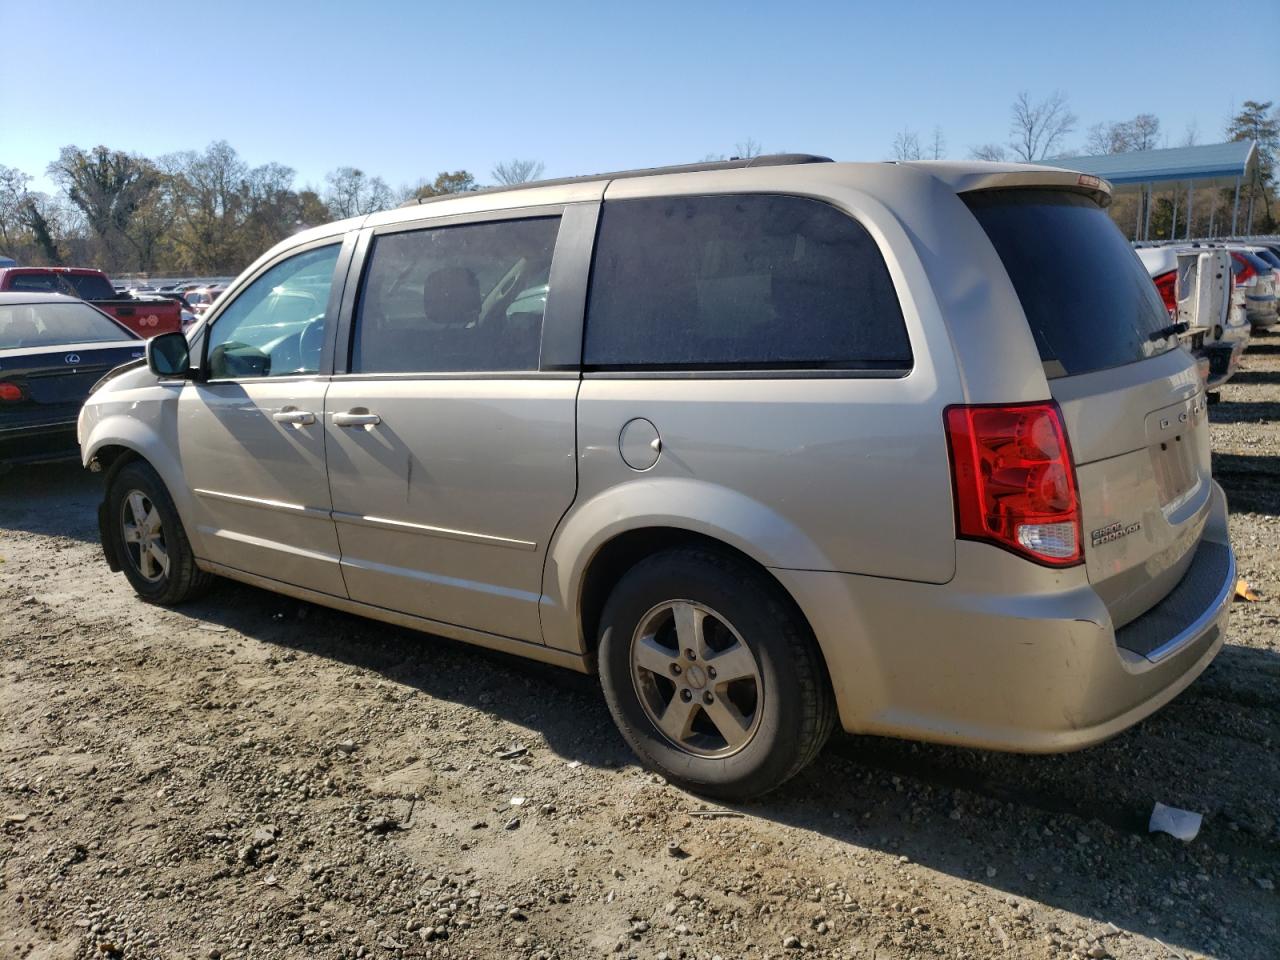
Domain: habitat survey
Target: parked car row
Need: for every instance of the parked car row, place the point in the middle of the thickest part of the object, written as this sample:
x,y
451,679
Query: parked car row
x,y
1216,292
53,348
145,316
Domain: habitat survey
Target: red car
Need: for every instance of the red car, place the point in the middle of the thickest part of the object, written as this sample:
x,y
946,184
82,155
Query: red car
x,y
145,317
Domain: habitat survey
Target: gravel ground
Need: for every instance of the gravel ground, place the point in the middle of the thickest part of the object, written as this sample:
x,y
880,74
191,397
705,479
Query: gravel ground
x,y
254,777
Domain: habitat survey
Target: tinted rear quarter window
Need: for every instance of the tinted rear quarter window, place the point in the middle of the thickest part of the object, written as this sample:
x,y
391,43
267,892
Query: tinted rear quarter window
x,y
1089,301
740,282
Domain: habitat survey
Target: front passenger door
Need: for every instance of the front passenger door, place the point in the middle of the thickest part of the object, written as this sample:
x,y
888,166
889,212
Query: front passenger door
x,y
251,429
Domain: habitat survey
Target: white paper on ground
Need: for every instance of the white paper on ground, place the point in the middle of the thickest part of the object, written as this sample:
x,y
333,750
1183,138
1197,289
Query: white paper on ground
x,y
1183,824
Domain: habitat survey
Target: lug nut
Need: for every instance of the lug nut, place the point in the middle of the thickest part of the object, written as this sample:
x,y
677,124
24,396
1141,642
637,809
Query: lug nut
x,y
686,695
711,672
707,697
690,655
675,669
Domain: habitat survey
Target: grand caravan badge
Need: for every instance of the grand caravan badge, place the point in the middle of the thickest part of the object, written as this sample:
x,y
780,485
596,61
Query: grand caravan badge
x,y
1113,532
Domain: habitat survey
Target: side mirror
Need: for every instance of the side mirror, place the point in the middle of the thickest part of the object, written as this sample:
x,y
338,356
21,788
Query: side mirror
x,y
169,356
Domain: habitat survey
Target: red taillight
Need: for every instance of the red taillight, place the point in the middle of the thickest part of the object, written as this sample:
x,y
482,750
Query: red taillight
x,y
1247,276
1167,284
10,392
1014,482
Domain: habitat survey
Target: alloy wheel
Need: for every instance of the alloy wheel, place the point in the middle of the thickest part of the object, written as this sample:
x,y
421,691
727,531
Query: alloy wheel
x,y
143,534
696,679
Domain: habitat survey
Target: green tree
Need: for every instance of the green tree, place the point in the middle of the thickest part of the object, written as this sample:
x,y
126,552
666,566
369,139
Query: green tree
x,y
459,181
1259,122
109,187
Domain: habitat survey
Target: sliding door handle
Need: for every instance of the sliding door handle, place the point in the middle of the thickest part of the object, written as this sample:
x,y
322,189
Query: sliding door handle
x,y
299,418
353,419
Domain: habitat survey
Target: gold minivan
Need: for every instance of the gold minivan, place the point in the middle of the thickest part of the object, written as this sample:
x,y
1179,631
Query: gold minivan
x,y
769,444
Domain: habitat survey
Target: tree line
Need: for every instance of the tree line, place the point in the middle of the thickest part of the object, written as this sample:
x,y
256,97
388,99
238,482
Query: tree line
x,y
1041,128
191,212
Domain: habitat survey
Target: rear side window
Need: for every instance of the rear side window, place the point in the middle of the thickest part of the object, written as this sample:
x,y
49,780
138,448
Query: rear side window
x,y
740,282
1086,295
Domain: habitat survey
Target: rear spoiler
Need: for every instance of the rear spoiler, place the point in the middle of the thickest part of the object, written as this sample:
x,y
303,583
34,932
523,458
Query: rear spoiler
x,y
1036,178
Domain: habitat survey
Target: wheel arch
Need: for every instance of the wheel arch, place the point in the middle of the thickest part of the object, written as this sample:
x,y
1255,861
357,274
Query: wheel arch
x,y
623,551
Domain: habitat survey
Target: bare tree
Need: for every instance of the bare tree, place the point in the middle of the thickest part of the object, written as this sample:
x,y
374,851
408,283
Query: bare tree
x,y
511,172
989,151
1192,135
1036,129
13,192
1144,132
906,145
353,193
938,145
747,149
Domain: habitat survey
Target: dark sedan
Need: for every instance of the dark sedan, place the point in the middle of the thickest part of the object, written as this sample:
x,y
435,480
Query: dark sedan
x,y
52,350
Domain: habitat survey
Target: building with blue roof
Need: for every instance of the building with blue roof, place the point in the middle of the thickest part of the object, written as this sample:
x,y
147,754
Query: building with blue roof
x,y
1213,165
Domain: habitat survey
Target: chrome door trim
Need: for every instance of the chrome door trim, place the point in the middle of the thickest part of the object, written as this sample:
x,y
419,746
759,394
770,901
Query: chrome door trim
x,y
403,525
297,508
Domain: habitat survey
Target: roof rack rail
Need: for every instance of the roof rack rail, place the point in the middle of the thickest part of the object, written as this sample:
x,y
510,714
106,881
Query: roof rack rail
x,y
733,163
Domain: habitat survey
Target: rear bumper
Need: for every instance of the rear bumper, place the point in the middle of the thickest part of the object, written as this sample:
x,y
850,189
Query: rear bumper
x,y
1010,658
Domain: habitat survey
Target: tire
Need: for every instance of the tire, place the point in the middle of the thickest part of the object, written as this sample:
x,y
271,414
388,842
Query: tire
x,y
168,583
778,719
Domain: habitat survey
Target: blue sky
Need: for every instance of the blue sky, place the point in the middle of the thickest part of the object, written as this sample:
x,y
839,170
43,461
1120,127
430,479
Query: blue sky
x,y
404,90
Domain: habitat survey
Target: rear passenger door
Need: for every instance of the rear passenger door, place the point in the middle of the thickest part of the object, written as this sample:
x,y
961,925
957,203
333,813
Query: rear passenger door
x,y
450,437
761,341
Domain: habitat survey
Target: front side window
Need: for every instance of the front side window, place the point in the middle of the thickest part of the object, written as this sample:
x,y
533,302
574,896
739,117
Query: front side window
x,y
275,327
457,298
740,282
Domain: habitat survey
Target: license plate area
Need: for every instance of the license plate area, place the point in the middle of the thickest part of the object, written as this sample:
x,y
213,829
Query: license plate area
x,y
1172,441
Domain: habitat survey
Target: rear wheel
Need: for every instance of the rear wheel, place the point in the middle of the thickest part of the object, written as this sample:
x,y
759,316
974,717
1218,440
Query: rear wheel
x,y
712,677
152,545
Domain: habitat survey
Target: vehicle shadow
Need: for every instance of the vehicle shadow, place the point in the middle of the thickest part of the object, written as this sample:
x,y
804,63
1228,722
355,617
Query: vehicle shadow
x,y
1244,378
1258,344
26,490
1248,411
1078,820
1251,482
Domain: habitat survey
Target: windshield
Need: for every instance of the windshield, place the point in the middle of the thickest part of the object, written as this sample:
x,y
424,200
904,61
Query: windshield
x,y
49,324
1088,299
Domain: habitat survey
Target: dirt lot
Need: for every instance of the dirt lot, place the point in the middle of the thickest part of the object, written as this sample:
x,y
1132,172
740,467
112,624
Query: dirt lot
x,y
254,777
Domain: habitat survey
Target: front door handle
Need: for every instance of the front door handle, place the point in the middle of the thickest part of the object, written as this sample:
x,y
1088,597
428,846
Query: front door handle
x,y
300,418
353,419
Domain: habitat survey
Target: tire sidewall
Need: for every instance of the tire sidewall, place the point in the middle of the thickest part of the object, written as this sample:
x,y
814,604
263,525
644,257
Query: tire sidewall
x,y
761,622
139,476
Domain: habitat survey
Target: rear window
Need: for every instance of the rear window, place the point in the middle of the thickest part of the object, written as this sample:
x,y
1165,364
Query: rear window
x,y
84,287
46,324
1086,295
89,287
740,282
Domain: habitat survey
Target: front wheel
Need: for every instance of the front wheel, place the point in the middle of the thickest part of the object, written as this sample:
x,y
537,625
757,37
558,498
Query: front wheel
x,y
713,678
149,539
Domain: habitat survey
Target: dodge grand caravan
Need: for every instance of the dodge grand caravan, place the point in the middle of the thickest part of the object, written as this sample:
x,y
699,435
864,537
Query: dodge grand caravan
x,y
769,444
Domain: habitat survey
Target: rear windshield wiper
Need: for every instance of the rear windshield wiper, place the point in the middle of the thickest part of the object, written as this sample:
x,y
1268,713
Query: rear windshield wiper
x,y
1172,330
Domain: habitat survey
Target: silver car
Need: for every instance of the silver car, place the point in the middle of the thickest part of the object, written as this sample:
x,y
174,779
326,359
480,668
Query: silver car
x,y
769,444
